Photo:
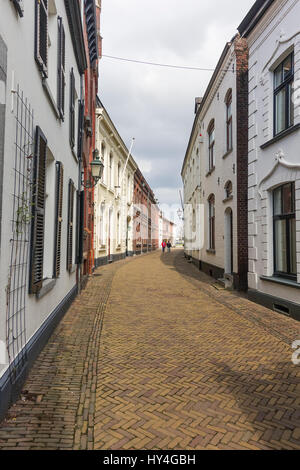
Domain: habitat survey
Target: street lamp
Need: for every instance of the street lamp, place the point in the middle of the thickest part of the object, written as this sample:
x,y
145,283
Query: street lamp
x,y
96,170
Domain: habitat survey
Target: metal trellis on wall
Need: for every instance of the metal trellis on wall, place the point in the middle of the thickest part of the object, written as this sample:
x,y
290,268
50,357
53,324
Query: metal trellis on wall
x,y
17,287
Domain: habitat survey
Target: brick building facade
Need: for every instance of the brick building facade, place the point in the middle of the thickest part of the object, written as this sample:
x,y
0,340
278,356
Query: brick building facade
x,y
91,10
145,218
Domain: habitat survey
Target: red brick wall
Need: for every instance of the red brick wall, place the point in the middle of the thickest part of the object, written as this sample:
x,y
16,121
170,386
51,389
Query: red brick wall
x,y
241,50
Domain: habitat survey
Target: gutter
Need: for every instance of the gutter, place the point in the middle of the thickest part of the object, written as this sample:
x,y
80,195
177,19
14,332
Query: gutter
x,y
253,16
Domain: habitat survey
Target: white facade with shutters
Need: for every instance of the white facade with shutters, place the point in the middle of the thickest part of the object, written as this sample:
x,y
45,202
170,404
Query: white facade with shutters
x,y
33,104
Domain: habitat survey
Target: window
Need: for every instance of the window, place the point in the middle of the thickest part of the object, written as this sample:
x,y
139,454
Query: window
x,y
211,145
229,121
228,189
72,109
41,35
118,229
70,226
104,159
101,225
283,89
211,224
119,173
284,230
61,59
58,218
38,213
111,171
80,130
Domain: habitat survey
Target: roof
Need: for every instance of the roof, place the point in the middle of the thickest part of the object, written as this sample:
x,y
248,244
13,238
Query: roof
x,y
101,105
253,16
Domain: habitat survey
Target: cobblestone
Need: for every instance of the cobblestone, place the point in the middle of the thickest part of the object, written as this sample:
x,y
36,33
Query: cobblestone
x,y
152,356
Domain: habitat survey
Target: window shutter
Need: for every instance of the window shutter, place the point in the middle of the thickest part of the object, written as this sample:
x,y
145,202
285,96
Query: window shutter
x,y
80,128
72,109
58,218
38,213
41,35
61,69
70,226
19,7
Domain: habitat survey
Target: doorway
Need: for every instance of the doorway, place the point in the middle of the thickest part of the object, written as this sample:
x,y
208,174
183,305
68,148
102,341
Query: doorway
x,y
228,241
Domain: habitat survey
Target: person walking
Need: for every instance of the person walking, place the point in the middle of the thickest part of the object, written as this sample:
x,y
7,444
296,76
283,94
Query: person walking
x,y
169,245
163,245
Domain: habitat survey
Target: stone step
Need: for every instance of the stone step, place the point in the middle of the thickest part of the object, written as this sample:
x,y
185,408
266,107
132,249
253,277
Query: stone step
x,y
225,282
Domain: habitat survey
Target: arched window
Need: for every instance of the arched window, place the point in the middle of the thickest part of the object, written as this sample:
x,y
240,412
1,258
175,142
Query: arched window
x,y
119,173
211,221
284,220
211,144
228,102
110,171
103,150
228,189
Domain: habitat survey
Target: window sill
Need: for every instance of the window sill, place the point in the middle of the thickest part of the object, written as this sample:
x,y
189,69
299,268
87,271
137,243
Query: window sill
x,y
211,251
227,199
281,280
280,136
50,98
227,153
48,285
210,171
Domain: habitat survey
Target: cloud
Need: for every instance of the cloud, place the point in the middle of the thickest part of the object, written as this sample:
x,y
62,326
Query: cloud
x,y
156,105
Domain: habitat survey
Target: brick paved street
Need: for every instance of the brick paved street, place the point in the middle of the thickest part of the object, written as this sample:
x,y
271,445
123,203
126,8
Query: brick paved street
x,y
153,355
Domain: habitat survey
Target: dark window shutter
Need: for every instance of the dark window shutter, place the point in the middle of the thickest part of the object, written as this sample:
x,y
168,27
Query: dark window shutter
x,y
38,213
41,35
80,128
72,109
80,227
61,81
19,7
70,226
58,217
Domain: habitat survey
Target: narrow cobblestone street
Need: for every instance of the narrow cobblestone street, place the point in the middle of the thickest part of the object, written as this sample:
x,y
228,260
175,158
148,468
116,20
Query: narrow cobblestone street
x,y
154,355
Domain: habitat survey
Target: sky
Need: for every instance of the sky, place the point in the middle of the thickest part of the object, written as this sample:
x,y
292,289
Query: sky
x,y
155,105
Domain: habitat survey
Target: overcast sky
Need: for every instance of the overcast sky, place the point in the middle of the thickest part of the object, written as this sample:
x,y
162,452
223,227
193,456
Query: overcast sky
x,y
153,104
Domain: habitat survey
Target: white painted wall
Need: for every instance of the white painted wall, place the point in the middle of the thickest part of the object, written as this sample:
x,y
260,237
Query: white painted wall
x,y
198,185
110,200
18,34
275,35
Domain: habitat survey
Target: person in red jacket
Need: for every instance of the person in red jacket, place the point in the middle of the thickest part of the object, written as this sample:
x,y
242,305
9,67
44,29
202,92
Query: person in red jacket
x,y
163,246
